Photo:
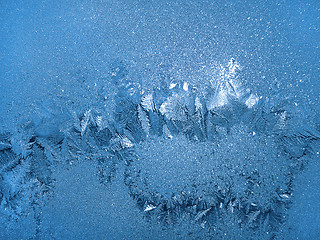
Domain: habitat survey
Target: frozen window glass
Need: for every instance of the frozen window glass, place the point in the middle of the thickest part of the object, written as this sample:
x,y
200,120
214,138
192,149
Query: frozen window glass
x,y
159,119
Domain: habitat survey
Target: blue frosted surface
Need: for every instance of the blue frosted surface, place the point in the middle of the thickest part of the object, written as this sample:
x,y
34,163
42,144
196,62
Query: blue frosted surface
x,y
159,119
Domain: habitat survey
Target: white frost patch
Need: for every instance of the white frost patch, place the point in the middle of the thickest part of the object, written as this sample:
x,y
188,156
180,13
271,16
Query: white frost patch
x,y
126,142
198,103
147,102
172,85
219,100
252,100
149,207
185,86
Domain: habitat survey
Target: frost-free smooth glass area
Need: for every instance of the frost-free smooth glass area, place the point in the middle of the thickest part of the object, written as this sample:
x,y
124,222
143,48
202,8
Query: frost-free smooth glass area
x,y
159,119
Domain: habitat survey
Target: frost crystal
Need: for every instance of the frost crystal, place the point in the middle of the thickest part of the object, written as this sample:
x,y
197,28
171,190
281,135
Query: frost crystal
x,y
222,161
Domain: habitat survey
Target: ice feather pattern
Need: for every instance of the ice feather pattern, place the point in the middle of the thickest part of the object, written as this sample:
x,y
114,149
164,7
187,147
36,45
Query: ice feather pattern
x,y
224,158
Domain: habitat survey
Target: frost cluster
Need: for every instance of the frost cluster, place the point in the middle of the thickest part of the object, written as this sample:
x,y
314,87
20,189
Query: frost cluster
x,y
222,160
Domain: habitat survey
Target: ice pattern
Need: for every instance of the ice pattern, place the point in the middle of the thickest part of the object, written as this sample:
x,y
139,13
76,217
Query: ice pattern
x,y
219,163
